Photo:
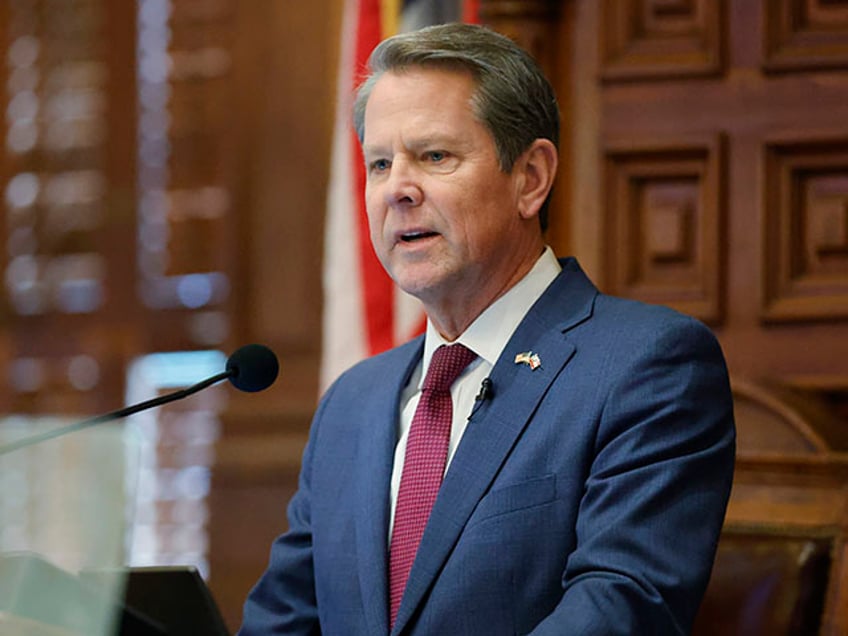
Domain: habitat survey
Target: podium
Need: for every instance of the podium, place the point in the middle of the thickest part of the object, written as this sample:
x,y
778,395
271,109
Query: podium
x,y
64,524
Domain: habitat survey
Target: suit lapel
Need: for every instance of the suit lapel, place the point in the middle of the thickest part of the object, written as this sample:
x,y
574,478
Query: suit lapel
x,y
375,470
495,428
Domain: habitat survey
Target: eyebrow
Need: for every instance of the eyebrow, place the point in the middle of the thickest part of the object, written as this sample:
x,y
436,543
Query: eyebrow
x,y
418,144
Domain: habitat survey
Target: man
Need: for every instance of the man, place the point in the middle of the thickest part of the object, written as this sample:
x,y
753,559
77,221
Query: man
x,y
591,439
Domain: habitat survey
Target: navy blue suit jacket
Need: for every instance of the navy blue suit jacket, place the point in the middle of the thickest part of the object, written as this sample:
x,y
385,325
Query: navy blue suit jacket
x,y
586,496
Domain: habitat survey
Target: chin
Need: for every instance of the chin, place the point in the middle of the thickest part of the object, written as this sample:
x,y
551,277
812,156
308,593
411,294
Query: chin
x,y
420,279
415,286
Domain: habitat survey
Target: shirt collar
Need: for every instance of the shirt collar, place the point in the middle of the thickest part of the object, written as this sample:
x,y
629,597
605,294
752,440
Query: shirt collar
x,y
488,334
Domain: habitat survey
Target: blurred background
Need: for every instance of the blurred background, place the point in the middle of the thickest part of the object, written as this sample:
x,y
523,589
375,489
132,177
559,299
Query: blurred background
x,y
176,182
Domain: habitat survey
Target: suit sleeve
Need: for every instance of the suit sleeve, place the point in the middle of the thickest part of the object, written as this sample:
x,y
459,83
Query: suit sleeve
x,y
283,600
657,490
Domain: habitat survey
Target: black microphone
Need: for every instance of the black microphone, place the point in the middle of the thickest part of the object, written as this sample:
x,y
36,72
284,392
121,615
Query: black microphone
x,y
487,392
251,368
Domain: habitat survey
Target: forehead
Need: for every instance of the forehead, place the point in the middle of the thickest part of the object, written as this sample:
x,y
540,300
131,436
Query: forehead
x,y
444,75
421,96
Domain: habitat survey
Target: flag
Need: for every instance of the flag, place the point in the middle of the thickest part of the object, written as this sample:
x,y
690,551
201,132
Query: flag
x,y
364,311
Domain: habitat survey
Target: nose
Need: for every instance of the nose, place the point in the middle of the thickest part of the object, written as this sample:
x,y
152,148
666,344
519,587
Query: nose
x,y
403,187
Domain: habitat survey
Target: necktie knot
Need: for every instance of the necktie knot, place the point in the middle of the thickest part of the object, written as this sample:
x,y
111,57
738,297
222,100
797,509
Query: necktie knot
x,y
446,365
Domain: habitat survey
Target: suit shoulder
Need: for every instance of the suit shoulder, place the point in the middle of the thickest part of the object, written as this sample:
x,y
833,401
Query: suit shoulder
x,y
630,325
638,315
362,375
577,303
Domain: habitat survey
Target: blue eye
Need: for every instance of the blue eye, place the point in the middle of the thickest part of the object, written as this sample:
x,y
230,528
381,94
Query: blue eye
x,y
380,164
436,155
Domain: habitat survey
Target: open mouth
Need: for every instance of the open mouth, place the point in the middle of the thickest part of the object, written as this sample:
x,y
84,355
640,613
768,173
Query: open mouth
x,y
416,236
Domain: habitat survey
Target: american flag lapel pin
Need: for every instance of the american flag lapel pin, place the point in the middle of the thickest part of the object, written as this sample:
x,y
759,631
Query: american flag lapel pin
x,y
529,358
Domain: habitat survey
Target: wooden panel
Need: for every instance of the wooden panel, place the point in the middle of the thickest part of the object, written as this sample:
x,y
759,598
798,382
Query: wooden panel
x,y
185,201
530,23
785,528
766,583
661,38
241,544
806,230
805,34
54,160
664,224
782,230
65,164
771,424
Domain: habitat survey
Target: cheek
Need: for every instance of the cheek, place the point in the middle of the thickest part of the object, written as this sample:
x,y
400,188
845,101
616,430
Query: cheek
x,y
374,213
490,223
375,230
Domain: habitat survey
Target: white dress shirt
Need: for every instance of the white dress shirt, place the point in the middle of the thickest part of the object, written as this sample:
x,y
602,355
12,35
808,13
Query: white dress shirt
x,y
486,336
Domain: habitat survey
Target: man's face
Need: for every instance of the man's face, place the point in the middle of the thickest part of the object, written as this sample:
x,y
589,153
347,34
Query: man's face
x,y
443,217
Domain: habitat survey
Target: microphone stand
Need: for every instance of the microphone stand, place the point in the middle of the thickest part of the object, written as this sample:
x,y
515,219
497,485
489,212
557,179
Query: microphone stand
x,y
115,415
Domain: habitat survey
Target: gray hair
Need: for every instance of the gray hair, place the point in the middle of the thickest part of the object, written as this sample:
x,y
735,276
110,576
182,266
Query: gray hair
x,y
513,99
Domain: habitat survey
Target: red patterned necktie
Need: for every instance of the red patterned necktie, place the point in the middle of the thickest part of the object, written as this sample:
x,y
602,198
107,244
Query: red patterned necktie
x,y
424,463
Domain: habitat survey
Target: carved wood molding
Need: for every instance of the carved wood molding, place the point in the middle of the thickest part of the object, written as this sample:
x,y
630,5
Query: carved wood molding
x,y
771,425
643,39
797,498
530,23
805,35
805,230
791,485
664,218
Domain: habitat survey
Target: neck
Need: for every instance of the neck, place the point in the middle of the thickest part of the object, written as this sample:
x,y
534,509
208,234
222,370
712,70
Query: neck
x,y
452,316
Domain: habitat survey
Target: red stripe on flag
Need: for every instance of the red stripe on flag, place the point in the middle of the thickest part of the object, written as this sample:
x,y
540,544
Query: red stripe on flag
x,y
471,11
378,289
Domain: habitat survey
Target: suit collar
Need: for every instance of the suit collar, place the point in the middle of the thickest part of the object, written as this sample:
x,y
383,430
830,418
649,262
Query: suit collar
x,y
571,296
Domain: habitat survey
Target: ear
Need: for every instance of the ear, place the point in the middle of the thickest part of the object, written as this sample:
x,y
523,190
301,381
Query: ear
x,y
536,169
